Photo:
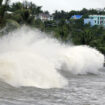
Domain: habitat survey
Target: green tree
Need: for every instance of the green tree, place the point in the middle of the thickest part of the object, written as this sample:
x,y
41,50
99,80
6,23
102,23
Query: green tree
x,y
3,9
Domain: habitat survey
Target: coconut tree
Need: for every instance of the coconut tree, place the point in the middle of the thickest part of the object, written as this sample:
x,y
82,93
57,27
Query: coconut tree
x,y
38,10
3,9
1,12
16,6
1,2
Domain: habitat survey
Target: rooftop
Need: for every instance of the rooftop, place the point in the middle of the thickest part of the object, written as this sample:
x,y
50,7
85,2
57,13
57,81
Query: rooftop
x,y
77,16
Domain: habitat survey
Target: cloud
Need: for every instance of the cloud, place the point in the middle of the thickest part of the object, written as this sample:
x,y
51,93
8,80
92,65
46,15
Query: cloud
x,y
67,5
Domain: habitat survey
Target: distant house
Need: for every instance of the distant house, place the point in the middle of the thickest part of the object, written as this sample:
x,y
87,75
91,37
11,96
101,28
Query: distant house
x,y
95,20
76,17
9,12
44,17
89,21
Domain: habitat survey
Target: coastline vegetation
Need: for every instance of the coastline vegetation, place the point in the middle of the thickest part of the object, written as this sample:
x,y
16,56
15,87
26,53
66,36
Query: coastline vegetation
x,y
63,28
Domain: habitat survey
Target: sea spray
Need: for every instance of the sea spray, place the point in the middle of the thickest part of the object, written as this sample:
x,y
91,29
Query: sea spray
x,y
30,58
82,60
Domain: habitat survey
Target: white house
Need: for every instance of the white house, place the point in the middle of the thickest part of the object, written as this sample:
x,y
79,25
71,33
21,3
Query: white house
x,y
44,17
95,20
9,12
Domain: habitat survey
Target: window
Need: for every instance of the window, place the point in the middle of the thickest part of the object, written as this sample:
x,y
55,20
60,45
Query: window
x,y
95,21
101,22
101,17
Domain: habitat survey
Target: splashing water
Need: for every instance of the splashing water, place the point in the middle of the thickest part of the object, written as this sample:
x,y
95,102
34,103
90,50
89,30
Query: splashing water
x,y
31,58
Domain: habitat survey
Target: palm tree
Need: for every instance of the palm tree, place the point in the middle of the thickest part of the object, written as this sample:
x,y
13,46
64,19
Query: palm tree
x,y
17,6
86,36
38,10
3,9
1,2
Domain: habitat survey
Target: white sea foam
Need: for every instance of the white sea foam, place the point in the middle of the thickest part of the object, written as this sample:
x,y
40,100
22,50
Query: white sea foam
x,y
82,60
30,58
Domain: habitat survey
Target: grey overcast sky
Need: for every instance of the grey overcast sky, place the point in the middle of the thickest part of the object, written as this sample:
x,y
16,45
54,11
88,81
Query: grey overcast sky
x,y
67,5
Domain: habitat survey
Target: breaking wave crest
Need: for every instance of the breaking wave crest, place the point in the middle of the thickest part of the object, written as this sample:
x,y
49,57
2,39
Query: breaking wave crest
x,y
30,58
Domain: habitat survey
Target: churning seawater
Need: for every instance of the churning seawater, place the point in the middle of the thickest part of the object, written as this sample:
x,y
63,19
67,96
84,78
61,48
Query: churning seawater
x,y
36,69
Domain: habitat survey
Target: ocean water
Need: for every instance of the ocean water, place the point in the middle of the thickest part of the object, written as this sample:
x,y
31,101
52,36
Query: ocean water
x,y
36,69
81,90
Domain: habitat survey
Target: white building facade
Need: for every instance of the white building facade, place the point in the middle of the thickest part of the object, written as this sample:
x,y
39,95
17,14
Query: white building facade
x,y
44,17
95,20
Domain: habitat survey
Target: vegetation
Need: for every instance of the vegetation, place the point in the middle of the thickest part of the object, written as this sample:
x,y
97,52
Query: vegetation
x,y
63,28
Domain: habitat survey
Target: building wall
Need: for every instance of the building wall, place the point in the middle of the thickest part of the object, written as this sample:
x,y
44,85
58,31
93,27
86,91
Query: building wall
x,y
98,19
91,21
44,17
